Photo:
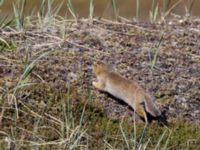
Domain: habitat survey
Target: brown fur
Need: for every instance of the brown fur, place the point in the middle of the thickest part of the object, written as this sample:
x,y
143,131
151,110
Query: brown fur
x,y
127,90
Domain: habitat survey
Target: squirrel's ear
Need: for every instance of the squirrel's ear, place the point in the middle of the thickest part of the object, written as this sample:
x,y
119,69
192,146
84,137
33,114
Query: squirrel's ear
x,y
101,63
96,63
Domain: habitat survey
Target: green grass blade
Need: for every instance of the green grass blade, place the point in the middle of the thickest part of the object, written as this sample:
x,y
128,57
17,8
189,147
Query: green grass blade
x,y
135,132
23,5
4,42
8,23
171,8
124,136
5,21
19,13
42,9
84,107
154,11
167,141
91,9
71,9
137,9
114,7
166,4
49,7
160,139
142,136
156,50
1,2
24,76
16,14
191,6
57,9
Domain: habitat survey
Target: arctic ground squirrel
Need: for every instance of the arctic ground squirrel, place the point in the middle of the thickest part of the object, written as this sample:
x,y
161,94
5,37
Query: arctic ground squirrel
x,y
127,90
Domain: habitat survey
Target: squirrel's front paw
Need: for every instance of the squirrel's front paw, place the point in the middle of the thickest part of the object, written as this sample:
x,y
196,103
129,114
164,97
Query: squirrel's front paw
x,y
94,84
97,85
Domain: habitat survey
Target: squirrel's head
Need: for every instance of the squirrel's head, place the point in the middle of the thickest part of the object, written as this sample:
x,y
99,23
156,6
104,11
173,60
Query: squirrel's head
x,y
99,67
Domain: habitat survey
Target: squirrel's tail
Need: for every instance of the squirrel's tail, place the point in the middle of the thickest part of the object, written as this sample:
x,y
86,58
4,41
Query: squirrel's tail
x,y
151,107
153,110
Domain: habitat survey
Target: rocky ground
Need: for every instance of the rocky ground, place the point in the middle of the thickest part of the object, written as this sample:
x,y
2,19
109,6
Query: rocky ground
x,y
163,57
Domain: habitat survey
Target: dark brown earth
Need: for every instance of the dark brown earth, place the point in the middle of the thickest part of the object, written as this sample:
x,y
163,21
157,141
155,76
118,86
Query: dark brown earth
x,y
130,47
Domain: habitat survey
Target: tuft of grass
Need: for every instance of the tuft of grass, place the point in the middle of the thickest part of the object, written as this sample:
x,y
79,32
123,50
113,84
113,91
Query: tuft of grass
x,y
71,9
166,4
47,12
128,141
160,139
139,145
124,136
137,9
7,45
41,12
155,54
167,12
91,9
114,8
167,141
6,21
153,14
69,123
19,13
4,43
24,79
190,6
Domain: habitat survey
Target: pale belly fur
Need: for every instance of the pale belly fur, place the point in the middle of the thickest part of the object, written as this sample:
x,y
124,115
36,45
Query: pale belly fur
x,y
118,92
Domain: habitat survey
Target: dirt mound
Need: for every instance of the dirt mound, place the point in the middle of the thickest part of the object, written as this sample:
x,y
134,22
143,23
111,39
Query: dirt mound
x,y
163,57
